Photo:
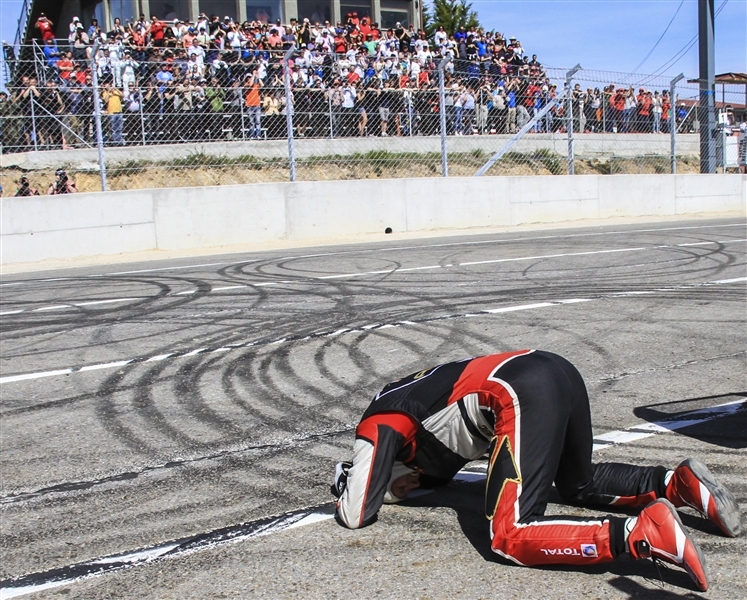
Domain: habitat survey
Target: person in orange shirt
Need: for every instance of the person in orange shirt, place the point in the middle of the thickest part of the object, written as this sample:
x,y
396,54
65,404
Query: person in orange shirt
x,y
252,104
644,111
618,107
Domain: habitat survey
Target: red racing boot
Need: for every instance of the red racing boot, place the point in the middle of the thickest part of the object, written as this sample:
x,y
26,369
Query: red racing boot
x,y
659,533
693,485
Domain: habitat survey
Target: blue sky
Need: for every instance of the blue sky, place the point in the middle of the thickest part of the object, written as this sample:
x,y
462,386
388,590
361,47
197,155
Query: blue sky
x,y
616,35
609,35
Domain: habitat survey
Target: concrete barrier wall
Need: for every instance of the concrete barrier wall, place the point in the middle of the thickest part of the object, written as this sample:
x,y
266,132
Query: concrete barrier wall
x,y
48,227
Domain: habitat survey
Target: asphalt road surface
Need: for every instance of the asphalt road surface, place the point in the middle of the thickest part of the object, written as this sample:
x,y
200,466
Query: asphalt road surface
x,y
172,427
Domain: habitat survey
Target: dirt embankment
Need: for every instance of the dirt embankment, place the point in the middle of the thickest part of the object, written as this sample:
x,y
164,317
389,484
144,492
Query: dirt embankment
x,y
202,170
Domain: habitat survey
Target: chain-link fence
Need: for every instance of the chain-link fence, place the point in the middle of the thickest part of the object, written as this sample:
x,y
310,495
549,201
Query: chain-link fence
x,y
129,117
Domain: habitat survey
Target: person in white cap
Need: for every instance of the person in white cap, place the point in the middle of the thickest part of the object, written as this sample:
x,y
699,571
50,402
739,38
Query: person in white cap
x,y
530,408
74,24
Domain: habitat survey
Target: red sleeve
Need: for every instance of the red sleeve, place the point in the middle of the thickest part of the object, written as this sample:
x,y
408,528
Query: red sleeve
x,y
379,439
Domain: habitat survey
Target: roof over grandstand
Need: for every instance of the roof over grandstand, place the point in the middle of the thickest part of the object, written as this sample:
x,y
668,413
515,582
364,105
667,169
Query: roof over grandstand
x,y
727,78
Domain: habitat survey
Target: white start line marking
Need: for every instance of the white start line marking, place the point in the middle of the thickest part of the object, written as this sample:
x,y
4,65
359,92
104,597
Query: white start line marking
x,y
71,574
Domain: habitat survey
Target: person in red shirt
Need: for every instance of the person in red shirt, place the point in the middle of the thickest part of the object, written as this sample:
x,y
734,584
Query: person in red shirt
x,y
617,101
156,32
341,46
65,66
532,89
640,118
78,75
644,112
365,27
45,26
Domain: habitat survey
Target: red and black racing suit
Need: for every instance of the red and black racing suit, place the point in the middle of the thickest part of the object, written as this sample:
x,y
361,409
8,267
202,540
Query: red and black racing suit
x,y
533,407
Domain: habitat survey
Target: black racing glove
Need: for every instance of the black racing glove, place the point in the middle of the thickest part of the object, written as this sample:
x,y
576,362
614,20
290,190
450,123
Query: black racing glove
x,y
341,478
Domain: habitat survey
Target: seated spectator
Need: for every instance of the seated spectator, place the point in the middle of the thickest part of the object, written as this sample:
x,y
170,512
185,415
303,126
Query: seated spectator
x,y
51,56
61,185
65,67
25,189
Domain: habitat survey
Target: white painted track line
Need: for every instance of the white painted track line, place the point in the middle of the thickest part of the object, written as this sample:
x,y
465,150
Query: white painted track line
x,y
405,323
394,271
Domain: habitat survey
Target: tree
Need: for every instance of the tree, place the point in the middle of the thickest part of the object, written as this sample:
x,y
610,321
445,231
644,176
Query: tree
x,y
451,14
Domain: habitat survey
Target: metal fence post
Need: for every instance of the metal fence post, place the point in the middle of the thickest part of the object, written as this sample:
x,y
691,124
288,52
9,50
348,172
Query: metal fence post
x,y
569,116
33,122
331,118
673,122
97,115
442,109
289,112
142,117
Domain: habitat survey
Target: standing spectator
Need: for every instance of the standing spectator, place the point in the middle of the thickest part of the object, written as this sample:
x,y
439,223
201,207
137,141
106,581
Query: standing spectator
x,y
11,125
366,101
112,97
128,69
93,29
216,97
498,113
681,116
656,111
48,127
272,106
468,109
27,95
252,101
440,37
118,29
386,102
45,27
81,51
597,110
644,101
133,102
194,70
458,109
349,95
618,101
72,29
629,111
511,106
156,31
666,111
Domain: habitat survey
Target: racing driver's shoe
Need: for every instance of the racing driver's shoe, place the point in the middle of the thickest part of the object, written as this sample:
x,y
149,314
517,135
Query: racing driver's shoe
x,y
693,485
659,533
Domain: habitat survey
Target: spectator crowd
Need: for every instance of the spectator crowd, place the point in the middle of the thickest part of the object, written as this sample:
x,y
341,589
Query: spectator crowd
x,y
165,82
